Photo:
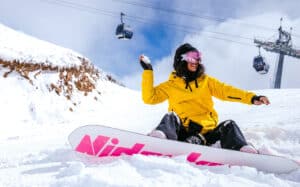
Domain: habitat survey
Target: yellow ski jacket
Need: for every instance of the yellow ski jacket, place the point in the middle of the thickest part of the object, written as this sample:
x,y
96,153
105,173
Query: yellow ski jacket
x,y
194,103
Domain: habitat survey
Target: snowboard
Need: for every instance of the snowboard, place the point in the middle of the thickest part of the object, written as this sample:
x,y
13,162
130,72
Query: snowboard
x,y
102,141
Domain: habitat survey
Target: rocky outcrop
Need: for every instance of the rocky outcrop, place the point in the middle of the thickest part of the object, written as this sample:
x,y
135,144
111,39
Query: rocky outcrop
x,y
82,78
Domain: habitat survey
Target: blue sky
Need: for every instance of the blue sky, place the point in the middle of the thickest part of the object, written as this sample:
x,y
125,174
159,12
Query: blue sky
x,y
88,27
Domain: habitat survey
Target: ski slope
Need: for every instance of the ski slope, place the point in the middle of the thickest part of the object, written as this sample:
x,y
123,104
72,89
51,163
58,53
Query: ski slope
x,y
36,152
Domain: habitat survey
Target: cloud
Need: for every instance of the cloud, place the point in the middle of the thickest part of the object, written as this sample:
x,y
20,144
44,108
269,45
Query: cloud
x,y
231,62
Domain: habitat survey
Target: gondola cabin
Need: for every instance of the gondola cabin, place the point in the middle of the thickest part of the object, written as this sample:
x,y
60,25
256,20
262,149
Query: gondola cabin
x,y
260,65
124,31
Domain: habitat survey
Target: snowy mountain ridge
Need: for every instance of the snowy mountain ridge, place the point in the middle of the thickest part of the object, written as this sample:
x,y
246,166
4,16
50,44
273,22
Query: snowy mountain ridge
x,y
46,66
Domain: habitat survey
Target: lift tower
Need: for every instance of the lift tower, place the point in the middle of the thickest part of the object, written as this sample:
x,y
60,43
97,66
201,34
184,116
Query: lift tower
x,y
282,46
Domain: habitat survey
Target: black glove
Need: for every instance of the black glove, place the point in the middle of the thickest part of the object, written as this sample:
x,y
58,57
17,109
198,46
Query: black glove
x,y
256,98
145,62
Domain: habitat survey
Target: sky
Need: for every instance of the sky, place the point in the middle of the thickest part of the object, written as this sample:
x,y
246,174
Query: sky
x,y
222,30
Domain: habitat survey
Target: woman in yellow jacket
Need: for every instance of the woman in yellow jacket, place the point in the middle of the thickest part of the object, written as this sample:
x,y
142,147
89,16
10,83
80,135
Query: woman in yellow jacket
x,y
192,117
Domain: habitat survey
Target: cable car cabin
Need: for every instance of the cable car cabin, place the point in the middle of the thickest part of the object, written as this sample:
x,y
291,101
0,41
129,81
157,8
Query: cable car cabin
x,y
124,31
260,65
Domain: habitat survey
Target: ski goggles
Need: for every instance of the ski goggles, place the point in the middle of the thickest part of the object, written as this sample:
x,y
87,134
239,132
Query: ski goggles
x,y
193,57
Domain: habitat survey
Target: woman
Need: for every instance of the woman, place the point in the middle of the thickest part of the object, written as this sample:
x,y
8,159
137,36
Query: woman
x,y
192,117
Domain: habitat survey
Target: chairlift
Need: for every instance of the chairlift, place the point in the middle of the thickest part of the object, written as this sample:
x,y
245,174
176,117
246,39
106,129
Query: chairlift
x,y
260,65
123,31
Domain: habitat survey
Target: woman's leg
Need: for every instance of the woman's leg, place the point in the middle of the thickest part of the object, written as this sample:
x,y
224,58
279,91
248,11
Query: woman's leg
x,y
229,135
169,125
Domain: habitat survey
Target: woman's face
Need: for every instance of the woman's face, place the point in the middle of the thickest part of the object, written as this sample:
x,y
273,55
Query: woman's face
x,y
192,67
193,59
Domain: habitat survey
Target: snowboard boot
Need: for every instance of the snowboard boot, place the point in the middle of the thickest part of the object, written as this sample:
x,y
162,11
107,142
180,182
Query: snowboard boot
x,y
195,139
158,134
249,149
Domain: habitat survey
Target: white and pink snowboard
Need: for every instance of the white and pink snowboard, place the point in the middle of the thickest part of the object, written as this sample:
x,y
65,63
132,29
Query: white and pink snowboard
x,y
101,141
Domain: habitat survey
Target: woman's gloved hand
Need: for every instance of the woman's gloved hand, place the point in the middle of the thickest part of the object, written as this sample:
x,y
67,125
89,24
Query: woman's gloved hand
x,y
259,100
145,62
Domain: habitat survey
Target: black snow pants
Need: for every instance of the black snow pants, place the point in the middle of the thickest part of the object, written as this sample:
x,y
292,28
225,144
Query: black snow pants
x,y
227,132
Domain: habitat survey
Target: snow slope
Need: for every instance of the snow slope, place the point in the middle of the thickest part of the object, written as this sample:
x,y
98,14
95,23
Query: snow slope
x,y
35,124
38,154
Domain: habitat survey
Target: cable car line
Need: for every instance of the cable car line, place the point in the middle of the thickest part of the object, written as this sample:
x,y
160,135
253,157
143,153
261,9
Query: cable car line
x,y
190,28
173,11
194,31
135,18
82,7
186,29
190,14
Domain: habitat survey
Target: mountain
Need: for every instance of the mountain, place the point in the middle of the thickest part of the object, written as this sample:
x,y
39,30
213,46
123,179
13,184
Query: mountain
x,y
47,91
39,69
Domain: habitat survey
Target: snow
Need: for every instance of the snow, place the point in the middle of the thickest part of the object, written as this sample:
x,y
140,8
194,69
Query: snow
x,y
36,124
16,45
